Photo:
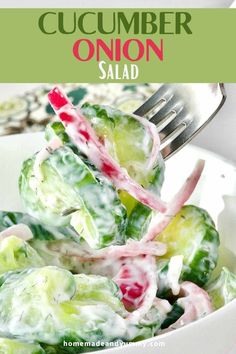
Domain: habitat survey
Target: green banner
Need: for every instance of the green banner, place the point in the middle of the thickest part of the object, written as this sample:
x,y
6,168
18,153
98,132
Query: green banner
x,y
118,45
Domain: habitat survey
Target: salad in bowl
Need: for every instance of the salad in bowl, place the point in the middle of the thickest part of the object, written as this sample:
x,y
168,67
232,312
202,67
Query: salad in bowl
x,y
98,257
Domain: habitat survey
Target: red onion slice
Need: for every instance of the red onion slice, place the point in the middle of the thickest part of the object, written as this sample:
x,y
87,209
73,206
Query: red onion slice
x,y
155,140
20,230
148,266
196,303
160,222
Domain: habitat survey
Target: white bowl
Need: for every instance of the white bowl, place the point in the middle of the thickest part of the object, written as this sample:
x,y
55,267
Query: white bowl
x,y
216,192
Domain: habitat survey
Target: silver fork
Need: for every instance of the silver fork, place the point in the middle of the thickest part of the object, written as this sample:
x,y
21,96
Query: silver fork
x,y
180,111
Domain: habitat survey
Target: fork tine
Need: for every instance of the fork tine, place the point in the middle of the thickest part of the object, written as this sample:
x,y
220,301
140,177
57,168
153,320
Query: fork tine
x,y
153,101
163,122
156,108
173,103
182,116
190,128
169,139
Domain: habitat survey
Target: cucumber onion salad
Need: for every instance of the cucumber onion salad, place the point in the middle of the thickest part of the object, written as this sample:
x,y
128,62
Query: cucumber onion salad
x,y
99,257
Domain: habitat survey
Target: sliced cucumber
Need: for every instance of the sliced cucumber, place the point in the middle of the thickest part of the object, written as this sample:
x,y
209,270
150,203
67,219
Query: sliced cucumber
x,y
222,290
73,194
127,140
140,215
129,143
39,230
14,346
192,234
17,254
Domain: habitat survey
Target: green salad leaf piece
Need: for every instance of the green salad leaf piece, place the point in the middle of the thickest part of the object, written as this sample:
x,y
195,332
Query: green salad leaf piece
x,y
17,254
192,234
13,346
222,290
73,194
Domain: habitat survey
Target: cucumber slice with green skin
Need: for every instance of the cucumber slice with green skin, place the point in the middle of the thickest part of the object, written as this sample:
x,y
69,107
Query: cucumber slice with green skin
x,y
126,139
129,143
48,304
222,290
192,234
17,254
138,221
140,215
163,291
12,346
57,129
40,231
95,210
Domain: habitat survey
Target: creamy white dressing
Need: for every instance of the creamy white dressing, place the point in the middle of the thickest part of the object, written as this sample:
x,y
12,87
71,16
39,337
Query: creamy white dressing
x,y
163,306
41,156
111,324
174,272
